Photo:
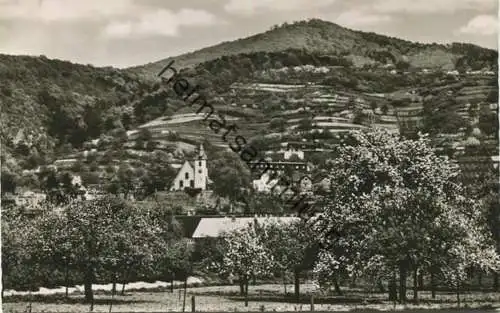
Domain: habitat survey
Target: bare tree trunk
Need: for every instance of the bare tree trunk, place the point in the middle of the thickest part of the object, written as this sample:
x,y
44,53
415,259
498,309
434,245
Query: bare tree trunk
x,y
393,292
3,282
433,285
66,277
111,303
380,286
241,281
402,282
89,279
284,281
172,283
480,279
297,285
421,280
113,290
415,284
495,281
30,304
353,281
246,291
458,293
336,285
125,278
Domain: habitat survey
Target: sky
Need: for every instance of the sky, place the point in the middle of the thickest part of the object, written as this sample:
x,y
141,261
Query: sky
x,y
125,33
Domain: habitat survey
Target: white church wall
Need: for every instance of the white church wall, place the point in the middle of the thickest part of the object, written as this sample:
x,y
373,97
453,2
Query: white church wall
x,y
183,178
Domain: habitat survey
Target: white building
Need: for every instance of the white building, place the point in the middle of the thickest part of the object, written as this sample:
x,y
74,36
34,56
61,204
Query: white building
x,y
287,154
30,199
263,184
193,174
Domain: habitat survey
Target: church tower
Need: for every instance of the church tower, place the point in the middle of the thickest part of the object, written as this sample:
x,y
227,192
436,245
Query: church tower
x,y
200,169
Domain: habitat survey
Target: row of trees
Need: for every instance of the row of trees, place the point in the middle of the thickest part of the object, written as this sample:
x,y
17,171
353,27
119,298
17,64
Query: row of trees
x,y
394,209
106,239
269,250
442,117
399,208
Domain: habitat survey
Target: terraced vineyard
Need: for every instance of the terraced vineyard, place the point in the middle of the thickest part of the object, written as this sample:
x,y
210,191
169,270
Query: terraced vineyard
x,y
253,105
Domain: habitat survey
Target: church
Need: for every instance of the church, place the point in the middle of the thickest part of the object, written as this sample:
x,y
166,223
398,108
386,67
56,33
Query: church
x,y
193,174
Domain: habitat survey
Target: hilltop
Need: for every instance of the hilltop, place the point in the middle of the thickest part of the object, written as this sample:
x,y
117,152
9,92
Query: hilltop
x,y
107,123
328,38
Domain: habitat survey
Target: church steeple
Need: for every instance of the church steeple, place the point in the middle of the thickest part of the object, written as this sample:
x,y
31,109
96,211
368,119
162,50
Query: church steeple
x,y
200,169
201,153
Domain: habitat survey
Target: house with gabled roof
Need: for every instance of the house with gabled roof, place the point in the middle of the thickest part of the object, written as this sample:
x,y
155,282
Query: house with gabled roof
x,y
193,173
214,227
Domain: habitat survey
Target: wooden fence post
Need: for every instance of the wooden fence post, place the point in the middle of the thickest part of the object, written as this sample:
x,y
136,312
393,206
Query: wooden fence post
x,y
184,298
193,304
31,301
312,303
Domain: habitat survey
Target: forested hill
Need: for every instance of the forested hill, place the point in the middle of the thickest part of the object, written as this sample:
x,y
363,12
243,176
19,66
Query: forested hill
x,y
57,102
328,38
53,110
46,103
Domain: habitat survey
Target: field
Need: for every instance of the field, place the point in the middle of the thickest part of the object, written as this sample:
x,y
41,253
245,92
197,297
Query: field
x,y
261,298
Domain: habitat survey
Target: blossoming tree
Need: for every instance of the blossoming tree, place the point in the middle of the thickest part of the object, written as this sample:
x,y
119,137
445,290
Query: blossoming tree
x,y
246,255
396,207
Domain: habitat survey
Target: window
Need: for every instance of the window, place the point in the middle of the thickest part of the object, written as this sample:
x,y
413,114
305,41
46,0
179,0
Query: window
x,y
187,175
199,171
191,183
199,163
181,184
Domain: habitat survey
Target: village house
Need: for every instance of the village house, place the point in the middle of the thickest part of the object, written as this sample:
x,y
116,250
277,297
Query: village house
x,y
268,183
291,151
30,199
409,118
214,227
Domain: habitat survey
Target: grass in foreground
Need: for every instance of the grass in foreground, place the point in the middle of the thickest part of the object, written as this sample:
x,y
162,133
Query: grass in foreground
x,y
261,298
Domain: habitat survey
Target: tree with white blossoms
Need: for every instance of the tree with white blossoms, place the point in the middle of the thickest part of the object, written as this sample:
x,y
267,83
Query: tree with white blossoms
x,y
246,255
396,207
472,249
292,248
108,233
19,254
327,270
175,261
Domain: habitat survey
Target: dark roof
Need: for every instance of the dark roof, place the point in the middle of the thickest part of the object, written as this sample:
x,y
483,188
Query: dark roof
x,y
301,144
188,223
282,162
